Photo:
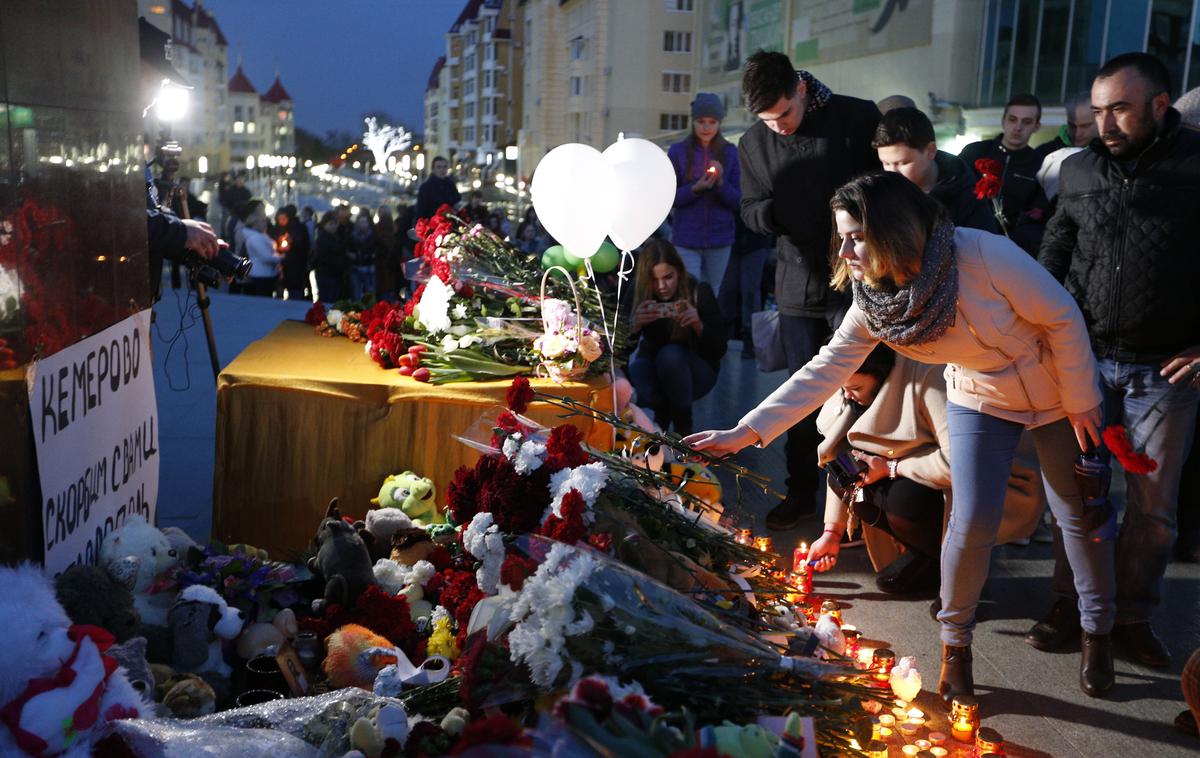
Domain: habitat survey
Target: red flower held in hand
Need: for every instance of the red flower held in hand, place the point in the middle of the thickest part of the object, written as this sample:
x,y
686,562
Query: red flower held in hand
x,y
1116,439
987,187
519,395
989,166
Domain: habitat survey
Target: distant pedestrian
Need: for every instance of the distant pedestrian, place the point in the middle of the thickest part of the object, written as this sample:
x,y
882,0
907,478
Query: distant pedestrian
x,y
438,190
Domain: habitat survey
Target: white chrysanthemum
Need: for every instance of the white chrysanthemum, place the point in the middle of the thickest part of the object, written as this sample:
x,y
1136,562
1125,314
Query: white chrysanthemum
x,y
545,615
439,614
433,311
334,317
460,311
526,456
421,573
483,540
390,575
588,479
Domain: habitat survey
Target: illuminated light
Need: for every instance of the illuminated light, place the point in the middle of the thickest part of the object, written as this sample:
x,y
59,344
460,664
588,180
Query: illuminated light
x,y
354,209
292,161
56,159
158,10
249,162
308,164
101,258
356,164
406,163
512,152
172,102
508,180
476,184
383,141
270,210
122,259
202,164
421,162
499,177
343,156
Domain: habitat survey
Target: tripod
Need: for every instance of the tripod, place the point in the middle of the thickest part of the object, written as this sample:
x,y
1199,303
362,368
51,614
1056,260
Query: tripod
x,y
202,298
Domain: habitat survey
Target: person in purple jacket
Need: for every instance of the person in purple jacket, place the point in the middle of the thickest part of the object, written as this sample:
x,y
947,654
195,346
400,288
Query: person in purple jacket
x,y
709,193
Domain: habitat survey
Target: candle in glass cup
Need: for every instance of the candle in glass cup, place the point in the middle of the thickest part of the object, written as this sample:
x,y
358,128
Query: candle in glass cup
x,y
799,556
939,751
916,716
937,738
909,750
744,537
881,664
887,720
923,744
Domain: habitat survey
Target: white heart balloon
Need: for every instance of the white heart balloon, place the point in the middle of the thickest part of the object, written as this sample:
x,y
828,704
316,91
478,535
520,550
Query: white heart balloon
x,y
574,196
645,190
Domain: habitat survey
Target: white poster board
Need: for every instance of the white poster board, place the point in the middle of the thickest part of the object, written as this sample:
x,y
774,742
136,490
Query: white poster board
x,y
95,430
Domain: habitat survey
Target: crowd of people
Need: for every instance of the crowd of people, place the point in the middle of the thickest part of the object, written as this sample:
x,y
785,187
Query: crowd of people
x,y
947,327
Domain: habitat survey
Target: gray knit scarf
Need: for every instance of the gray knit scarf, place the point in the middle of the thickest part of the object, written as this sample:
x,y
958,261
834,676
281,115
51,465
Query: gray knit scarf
x,y
922,310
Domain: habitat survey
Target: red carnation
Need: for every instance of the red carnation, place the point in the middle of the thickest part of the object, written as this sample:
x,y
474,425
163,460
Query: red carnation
x,y
1116,439
515,570
568,528
591,693
519,395
564,448
422,228
494,730
315,315
384,614
462,495
443,211
439,557
630,706
602,541
426,738
987,187
989,166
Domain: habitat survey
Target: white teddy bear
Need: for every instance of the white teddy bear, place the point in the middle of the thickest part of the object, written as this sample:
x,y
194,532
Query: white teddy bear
x,y
140,554
86,690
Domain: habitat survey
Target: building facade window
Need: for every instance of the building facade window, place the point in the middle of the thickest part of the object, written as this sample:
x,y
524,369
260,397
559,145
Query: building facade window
x,y
576,86
672,122
578,46
676,82
677,42
239,127
680,5
1052,48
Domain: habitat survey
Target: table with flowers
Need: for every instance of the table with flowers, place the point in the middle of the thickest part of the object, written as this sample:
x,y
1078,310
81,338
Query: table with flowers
x,y
302,419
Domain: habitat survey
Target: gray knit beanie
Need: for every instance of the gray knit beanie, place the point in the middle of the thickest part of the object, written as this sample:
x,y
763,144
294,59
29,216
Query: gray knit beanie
x,y
708,105
1188,106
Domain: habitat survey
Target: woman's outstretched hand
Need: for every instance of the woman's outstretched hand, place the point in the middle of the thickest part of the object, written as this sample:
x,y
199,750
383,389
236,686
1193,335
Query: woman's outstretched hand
x,y
723,442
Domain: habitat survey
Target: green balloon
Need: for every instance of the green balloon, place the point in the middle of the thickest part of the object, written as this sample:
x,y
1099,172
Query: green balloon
x,y
606,258
553,257
572,260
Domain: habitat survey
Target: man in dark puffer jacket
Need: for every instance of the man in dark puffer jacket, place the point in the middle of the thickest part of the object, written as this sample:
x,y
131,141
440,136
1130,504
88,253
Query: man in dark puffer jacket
x,y
1124,240
806,143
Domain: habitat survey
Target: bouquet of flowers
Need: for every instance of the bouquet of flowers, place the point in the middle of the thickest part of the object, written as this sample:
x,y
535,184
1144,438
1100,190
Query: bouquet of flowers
x,y
566,346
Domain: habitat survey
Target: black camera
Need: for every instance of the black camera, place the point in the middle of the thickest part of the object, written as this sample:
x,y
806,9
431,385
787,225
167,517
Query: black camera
x,y
209,271
844,472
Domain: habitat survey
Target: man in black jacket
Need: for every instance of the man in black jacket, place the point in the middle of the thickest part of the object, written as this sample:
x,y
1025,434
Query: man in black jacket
x,y
806,143
438,190
1123,240
1021,196
905,143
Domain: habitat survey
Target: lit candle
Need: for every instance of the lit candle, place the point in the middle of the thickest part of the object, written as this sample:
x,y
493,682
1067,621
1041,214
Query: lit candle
x,y
963,730
885,731
799,556
864,656
901,714
937,738
887,719
916,716
908,729
923,744
939,751
909,750
882,664
744,537
763,544
902,704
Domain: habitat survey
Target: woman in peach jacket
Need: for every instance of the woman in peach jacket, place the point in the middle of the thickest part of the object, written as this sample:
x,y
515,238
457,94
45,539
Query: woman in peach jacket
x,y
1018,357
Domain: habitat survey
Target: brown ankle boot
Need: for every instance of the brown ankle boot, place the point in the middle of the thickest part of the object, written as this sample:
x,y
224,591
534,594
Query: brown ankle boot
x,y
955,678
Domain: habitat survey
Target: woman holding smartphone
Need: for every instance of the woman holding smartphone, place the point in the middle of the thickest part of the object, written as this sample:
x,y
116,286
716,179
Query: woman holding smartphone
x,y
681,337
1017,355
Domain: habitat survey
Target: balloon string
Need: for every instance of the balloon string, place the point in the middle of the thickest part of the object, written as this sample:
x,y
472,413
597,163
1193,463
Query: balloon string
x,y
612,356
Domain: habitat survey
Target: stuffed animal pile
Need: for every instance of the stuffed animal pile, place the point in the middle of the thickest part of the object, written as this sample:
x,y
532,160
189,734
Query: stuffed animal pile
x,y
59,692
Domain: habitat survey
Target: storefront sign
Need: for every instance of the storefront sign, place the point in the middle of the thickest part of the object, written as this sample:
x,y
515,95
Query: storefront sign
x,y
95,429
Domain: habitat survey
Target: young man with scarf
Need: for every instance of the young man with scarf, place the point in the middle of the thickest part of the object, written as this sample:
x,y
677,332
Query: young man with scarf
x,y
806,143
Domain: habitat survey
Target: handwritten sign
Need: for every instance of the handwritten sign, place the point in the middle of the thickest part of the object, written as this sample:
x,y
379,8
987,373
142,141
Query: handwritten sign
x,y
95,429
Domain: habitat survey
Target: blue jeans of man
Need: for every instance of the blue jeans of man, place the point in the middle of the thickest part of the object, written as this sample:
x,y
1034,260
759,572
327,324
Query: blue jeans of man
x,y
981,456
1147,534
707,264
362,281
670,378
741,291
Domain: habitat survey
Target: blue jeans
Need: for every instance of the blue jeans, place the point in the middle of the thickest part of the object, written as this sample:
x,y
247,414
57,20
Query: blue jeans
x,y
802,339
981,456
671,377
741,291
329,287
362,281
707,264
1148,532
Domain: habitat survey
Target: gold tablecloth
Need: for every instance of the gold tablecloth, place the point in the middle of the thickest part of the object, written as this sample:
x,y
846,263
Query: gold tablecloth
x,y
303,418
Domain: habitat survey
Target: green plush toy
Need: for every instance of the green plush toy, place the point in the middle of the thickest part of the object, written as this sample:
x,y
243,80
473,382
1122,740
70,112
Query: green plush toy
x,y
415,495
750,741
